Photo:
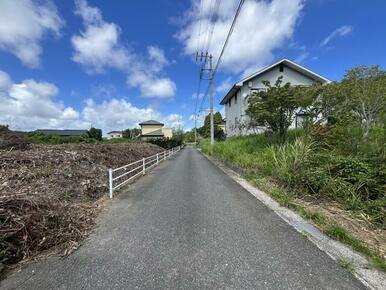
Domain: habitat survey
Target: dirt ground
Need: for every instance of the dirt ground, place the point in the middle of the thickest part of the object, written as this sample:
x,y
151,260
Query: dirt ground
x,y
49,194
357,226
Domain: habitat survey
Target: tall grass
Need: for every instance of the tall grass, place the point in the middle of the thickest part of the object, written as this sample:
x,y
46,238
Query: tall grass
x,y
290,158
302,166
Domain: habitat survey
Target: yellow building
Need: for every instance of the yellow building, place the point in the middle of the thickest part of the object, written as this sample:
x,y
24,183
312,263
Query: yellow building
x,y
154,129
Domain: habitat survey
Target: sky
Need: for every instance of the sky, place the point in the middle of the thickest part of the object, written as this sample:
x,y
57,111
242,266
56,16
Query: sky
x,y
112,64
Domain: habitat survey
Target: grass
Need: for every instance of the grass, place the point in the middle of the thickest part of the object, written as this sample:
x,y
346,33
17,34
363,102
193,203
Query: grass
x,y
303,166
278,170
347,265
328,227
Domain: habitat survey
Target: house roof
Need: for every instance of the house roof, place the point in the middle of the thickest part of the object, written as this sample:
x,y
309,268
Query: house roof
x,y
114,132
287,62
156,133
66,132
151,122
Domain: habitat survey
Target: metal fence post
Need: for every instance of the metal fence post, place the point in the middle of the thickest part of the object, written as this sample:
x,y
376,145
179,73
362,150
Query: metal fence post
x,y
157,159
143,166
111,182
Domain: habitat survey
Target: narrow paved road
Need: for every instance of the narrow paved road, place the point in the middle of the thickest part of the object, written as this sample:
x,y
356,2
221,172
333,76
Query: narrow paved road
x,y
187,225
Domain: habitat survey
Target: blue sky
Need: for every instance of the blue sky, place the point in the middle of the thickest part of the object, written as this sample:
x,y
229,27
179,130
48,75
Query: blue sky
x,y
73,64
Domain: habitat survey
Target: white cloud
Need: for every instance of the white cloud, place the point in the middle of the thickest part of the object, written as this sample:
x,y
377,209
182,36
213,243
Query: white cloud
x,y
116,114
23,24
5,81
174,121
99,48
151,86
31,104
157,56
224,86
341,31
199,96
262,26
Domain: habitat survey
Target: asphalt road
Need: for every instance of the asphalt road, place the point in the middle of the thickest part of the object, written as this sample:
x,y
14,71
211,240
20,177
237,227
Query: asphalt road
x,y
187,225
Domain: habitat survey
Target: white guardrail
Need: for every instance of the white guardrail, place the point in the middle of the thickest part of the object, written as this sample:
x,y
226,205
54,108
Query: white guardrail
x,y
136,168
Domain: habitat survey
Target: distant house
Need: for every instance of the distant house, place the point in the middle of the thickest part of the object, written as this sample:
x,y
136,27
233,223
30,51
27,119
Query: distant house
x,y
154,129
236,100
114,134
63,133
222,125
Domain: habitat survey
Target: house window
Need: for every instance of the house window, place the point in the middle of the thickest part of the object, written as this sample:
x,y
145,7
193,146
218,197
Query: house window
x,y
281,67
258,90
235,99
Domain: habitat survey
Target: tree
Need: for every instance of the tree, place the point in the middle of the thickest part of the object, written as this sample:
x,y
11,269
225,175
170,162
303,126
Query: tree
x,y
131,133
204,131
360,97
189,136
4,129
95,133
364,90
276,108
178,134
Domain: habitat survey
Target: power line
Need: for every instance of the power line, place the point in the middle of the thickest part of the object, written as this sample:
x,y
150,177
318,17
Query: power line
x,y
213,21
206,56
203,98
228,36
199,25
223,48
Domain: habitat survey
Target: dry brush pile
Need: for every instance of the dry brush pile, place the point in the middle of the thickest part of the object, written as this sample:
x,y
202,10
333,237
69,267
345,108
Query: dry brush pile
x,y
49,193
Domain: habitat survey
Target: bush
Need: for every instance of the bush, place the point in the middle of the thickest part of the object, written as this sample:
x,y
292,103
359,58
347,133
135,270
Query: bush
x,y
165,143
290,159
305,166
43,138
118,140
95,133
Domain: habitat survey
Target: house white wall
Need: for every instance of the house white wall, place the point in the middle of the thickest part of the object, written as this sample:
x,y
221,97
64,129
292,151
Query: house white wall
x,y
113,135
235,112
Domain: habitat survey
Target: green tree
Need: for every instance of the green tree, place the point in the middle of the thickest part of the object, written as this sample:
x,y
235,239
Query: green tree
x,y
4,129
204,131
95,133
364,90
189,136
360,98
178,134
276,108
131,133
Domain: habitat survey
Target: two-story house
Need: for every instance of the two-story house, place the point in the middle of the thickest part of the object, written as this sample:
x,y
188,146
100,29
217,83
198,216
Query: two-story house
x,y
236,100
154,129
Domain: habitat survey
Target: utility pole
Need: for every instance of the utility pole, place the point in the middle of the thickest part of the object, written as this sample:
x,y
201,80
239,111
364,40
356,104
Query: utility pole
x,y
195,127
204,58
211,100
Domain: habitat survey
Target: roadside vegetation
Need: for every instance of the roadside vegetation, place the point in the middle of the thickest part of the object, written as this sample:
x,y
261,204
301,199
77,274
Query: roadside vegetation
x,y
338,160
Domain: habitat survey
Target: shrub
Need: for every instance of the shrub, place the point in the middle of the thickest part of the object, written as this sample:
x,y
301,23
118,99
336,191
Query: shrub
x,y
306,166
95,133
43,138
290,159
165,143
